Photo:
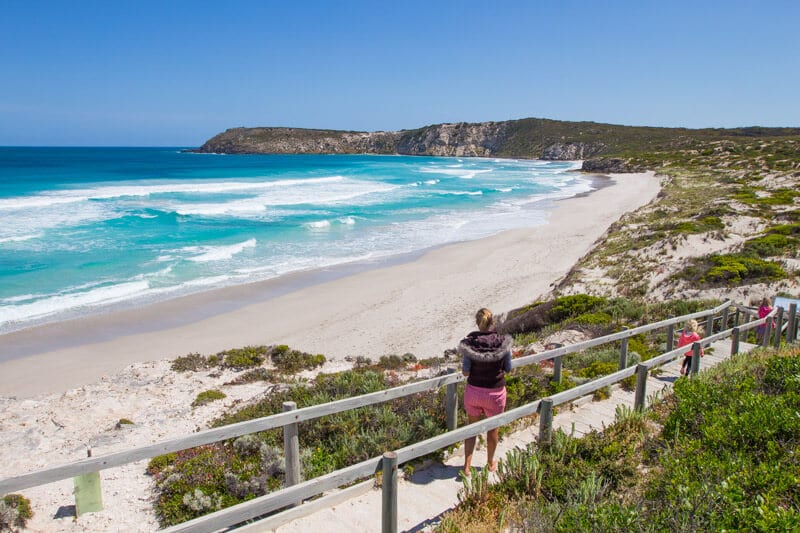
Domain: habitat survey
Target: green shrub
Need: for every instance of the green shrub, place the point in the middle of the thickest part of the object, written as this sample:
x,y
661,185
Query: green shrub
x,y
241,358
208,396
293,361
638,344
15,511
391,362
160,462
251,376
593,319
574,305
734,268
597,368
769,245
192,362
785,229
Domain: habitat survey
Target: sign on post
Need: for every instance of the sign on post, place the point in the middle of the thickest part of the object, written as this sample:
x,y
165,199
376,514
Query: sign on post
x,y
88,497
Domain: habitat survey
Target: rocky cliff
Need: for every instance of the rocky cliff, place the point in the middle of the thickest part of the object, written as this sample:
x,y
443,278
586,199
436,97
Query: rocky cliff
x,y
603,147
484,139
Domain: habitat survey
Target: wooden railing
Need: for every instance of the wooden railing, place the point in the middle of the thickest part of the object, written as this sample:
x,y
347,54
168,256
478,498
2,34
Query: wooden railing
x,y
291,417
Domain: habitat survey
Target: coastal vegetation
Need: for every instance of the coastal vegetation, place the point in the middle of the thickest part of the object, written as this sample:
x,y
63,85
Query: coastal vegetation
x,y
207,478
718,454
725,222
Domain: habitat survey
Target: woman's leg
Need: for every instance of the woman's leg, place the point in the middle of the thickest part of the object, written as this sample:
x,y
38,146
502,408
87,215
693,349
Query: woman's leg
x,y
492,438
469,446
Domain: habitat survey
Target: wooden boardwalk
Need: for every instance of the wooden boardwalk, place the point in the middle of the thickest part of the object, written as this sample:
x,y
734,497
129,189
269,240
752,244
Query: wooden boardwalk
x,y
432,491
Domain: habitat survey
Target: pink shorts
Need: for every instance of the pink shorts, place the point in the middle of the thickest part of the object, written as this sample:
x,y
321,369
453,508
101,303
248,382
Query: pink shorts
x,y
479,401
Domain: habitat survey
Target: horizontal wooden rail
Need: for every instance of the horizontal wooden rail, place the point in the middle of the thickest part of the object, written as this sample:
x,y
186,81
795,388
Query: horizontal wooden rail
x,y
209,436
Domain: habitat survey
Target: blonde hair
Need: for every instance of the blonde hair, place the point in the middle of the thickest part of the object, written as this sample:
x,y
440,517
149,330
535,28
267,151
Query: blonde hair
x,y
765,302
691,325
484,319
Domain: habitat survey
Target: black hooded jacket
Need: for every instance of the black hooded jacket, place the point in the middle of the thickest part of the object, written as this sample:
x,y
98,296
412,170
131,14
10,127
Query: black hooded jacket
x,y
486,351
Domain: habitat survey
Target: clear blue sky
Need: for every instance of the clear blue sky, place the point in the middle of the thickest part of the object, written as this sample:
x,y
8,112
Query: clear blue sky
x,y
174,72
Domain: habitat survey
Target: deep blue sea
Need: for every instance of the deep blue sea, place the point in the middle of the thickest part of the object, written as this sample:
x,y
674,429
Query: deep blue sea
x,y
85,230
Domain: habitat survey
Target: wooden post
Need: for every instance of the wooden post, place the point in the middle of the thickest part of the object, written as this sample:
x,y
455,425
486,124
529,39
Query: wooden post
x,y
641,387
725,314
451,404
623,352
790,334
736,318
710,324
735,341
545,421
696,347
557,369
778,324
389,511
670,337
767,332
291,450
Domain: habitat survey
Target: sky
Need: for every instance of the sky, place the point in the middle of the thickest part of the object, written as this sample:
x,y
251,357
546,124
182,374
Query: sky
x,y
175,72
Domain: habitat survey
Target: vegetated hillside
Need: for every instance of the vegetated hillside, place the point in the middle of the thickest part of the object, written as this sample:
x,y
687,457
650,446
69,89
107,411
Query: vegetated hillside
x,y
726,224
525,138
718,454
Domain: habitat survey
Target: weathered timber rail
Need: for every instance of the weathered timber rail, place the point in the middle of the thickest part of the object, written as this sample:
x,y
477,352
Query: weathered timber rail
x,y
291,417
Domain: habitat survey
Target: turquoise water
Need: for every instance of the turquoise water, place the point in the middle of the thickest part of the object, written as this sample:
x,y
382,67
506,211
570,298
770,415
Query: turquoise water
x,y
85,230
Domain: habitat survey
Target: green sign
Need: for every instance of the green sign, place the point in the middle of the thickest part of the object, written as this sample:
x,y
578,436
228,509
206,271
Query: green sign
x,y
88,497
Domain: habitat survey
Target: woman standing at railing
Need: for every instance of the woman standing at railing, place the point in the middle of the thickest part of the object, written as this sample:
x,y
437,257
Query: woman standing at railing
x,y
486,357
689,336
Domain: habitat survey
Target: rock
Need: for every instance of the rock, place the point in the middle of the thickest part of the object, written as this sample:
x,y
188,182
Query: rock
x,y
526,319
609,165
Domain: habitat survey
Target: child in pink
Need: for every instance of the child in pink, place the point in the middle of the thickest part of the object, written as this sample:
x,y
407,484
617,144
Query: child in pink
x,y
763,311
689,337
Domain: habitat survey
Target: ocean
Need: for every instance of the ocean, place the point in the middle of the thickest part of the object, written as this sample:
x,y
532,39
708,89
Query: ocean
x,y
88,230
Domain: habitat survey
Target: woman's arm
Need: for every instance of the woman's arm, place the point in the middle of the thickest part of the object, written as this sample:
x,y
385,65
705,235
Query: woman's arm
x,y
466,365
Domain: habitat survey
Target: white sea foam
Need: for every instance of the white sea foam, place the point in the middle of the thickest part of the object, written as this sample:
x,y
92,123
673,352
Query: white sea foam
x,y
464,193
465,174
20,238
319,224
74,300
218,253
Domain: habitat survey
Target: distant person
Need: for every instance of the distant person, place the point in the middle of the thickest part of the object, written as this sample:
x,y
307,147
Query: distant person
x,y
689,336
763,310
486,357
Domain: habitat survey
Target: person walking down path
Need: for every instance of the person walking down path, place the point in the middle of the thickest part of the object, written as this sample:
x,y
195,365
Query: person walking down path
x,y
689,336
486,357
763,310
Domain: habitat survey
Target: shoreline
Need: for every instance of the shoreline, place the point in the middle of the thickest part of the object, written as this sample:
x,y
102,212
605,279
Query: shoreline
x,y
420,303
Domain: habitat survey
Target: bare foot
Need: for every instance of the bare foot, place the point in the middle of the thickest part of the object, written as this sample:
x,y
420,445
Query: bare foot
x,y
466,472
492,466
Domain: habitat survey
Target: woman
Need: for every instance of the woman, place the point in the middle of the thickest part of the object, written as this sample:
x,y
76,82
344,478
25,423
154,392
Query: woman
x,y
486,357
688,337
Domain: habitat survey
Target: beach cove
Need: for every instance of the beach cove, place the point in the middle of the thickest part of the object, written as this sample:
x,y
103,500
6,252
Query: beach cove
x,y
59,403
422,306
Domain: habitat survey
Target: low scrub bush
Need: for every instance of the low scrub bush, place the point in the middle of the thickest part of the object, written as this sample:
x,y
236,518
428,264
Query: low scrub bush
x,y
293,361
242,358
15,511
193,362
208,396
769,245
574,305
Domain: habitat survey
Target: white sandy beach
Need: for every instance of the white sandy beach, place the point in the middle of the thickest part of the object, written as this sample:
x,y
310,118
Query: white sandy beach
x,y
59,403
423,306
